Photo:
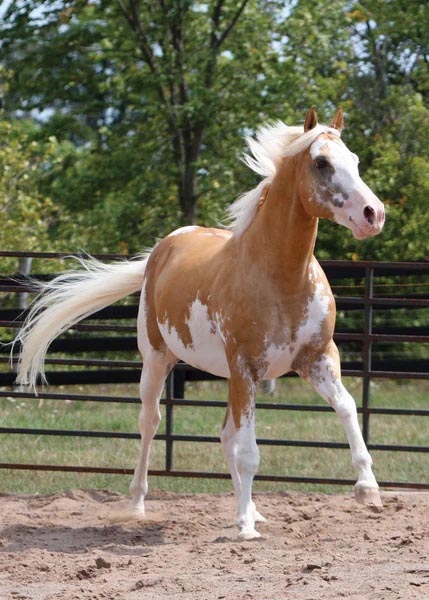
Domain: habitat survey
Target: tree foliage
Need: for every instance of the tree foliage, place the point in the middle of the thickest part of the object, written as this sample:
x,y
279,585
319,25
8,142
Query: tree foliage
x,y
145,104
26,214
388,115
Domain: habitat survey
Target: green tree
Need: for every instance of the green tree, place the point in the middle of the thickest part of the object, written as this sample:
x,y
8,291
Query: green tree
x,y
25,214
153,99
387,126
149,100
136,81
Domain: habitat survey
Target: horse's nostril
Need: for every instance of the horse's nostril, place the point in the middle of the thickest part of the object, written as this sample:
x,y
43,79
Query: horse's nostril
x,y
369,214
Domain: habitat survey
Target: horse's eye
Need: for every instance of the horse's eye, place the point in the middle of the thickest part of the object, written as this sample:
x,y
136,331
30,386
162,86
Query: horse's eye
x,y
321,162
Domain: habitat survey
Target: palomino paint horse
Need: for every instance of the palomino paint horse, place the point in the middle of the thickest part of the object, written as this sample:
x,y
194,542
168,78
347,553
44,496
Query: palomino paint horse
x,y
248,303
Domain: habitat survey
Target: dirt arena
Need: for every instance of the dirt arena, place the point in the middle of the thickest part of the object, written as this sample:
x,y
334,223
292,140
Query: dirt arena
x,y
314,547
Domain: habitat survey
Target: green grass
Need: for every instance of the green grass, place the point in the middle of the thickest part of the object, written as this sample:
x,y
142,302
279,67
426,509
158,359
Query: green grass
x,y
399,466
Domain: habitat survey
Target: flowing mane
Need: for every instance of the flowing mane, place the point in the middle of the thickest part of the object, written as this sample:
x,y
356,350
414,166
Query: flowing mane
x,y
271,145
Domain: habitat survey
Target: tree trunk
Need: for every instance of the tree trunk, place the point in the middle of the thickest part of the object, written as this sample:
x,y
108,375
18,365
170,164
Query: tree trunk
x,y
188,177
188,204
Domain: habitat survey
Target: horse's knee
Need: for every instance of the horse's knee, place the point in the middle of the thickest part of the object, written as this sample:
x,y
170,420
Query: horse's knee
x,y
343,404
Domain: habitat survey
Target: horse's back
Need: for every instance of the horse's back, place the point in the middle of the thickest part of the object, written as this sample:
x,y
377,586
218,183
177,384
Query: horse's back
x,y
185,262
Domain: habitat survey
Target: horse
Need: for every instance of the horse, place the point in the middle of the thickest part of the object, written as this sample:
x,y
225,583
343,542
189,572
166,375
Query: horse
x,y
247,302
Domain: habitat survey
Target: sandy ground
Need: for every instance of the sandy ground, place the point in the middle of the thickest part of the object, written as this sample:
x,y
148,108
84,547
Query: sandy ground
x,y
314,547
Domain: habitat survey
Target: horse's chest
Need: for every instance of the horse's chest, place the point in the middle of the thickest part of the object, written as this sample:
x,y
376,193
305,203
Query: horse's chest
x,y
295,334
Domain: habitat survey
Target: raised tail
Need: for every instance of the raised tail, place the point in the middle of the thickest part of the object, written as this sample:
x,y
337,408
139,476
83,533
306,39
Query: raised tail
x,y
67,299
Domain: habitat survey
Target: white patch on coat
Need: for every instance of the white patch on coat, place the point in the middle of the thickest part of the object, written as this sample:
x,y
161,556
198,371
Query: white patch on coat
x,y
280,357
182,230
317,311
207,350
323,377
202,231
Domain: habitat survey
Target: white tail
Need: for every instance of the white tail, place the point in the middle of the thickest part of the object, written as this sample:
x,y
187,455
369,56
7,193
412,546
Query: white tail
x,y
67,299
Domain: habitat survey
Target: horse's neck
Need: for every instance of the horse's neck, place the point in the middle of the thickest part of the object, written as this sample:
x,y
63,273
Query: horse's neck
x,y
282,236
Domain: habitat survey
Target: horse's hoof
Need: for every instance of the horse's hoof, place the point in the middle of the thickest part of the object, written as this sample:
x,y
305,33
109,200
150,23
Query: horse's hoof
x,y
249,534
369,496
126,514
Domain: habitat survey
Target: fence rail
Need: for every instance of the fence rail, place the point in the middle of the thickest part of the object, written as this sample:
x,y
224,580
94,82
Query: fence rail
x,y
362,328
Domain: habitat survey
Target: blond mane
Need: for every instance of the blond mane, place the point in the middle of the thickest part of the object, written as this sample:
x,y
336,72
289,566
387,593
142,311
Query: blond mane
x,y
271,145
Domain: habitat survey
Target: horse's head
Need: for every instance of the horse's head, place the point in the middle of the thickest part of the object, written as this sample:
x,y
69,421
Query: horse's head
x,y
331,186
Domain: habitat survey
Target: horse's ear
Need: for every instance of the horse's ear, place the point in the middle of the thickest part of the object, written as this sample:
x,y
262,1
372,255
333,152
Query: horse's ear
x,y
310,119
338,120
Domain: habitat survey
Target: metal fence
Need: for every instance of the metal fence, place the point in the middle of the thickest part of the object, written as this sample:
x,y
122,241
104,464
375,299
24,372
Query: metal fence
x,y
380,305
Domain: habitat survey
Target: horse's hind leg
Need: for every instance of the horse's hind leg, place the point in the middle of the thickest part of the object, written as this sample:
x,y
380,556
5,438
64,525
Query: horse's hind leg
x,y
155,370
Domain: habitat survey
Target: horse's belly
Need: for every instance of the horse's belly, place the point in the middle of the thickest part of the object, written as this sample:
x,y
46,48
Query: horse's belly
x,y
202,346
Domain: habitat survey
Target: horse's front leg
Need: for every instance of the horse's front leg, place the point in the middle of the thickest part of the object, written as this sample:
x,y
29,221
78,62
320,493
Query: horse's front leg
x,y
230,436
325,375
240,449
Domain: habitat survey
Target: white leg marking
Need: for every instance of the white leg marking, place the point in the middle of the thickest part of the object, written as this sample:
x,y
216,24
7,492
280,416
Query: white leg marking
x,y
229,440
247,461
333,391
151,384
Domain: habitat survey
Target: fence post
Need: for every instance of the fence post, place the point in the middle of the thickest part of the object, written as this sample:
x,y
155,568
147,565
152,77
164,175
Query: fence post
x,y
25,263
366,352
169,399
179,384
